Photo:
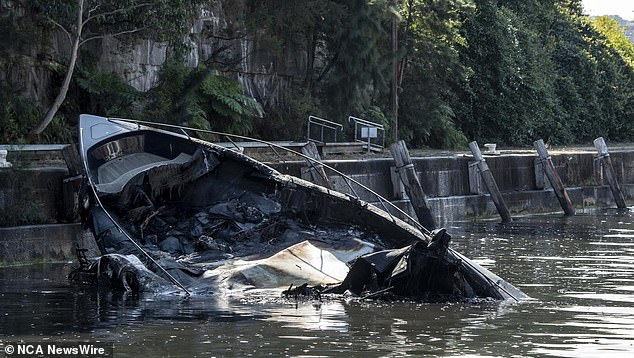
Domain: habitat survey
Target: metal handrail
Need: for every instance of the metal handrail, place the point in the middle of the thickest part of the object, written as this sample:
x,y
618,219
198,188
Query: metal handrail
x,y
360,122
322,123
348,180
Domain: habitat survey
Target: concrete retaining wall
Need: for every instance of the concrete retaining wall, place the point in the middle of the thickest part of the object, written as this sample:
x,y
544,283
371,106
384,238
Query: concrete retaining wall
x,y
31,195
36,187
31,189
454,197
42,243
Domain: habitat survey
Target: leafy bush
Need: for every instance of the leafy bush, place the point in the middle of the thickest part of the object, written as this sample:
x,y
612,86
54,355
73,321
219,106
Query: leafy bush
x,y
201,98
105,93
18,115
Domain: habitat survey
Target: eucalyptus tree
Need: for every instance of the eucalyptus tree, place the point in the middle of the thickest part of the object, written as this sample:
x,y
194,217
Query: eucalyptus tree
x,y
82,21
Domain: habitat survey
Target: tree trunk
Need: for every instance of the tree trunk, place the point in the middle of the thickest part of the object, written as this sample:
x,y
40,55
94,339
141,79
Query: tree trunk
x,y
394,94
311,44
61,96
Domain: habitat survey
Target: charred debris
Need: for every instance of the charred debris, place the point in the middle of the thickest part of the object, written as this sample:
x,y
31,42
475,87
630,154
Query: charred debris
x,y
166,209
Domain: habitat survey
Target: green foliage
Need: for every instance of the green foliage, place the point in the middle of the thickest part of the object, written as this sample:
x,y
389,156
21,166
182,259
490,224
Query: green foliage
x,y
16,32
26,206
18,115
201,98
288,121
614,33
161,20
376,115
357,72
433,73
105,93
346,49
512,80
230,109
489,70
282,27
540,70
596,97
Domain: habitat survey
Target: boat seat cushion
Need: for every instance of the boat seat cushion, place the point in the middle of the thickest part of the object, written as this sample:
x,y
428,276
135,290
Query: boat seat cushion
x,y
115,174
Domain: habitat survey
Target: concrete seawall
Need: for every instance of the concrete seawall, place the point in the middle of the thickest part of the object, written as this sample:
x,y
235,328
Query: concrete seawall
x,y
455,192
31,191
43,243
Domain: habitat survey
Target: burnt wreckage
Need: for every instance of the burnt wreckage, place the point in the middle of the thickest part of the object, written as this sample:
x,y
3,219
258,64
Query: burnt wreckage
x,y
169,210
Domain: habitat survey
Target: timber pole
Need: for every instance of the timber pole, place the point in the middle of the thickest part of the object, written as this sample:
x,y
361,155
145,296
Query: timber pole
x,y
413,188
608,169
315,168
553,177
489,183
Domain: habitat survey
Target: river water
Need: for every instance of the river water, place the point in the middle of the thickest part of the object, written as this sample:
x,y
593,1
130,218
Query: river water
x,y
579,272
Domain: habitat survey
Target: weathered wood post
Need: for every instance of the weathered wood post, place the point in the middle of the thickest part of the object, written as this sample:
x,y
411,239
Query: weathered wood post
x,y
608,169
489,183
72,183
407,174
553,177
315,169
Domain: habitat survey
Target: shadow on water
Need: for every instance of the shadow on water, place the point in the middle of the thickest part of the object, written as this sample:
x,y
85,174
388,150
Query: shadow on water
x,y
579,270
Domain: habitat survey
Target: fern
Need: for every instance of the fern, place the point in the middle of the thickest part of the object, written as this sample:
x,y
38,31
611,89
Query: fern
x,y
203,99
106,93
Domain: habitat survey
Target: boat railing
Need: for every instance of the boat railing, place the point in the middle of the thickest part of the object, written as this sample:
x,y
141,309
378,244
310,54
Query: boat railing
x,y
313,162
350,182
322,125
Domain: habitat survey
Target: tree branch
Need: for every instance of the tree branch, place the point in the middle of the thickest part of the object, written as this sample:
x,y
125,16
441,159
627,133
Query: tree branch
x,y
61,96
70,39
93,9
114,12
226,38
265,74
112,35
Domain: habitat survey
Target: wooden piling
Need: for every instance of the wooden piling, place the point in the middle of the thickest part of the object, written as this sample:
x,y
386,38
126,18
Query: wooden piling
x,y
413,188
553,177
73,162
489,183
315,168
71,185
608,169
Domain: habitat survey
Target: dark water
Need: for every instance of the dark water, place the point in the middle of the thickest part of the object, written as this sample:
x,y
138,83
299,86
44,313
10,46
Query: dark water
x,y
579,270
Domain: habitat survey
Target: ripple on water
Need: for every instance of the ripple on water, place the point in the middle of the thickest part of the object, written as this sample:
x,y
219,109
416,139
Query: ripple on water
x,y
579,270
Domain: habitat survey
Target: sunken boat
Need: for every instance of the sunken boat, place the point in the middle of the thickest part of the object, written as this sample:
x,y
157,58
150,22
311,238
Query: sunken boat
x,y
172,212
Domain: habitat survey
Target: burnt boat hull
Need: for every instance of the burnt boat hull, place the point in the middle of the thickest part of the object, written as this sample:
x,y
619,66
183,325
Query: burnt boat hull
x,y
208,214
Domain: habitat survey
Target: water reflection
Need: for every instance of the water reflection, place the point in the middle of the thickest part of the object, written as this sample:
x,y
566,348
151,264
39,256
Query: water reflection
x,y
579,270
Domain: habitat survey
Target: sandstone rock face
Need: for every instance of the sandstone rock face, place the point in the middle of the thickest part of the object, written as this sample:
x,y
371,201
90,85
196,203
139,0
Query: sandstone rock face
x,y
139,64
218,38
